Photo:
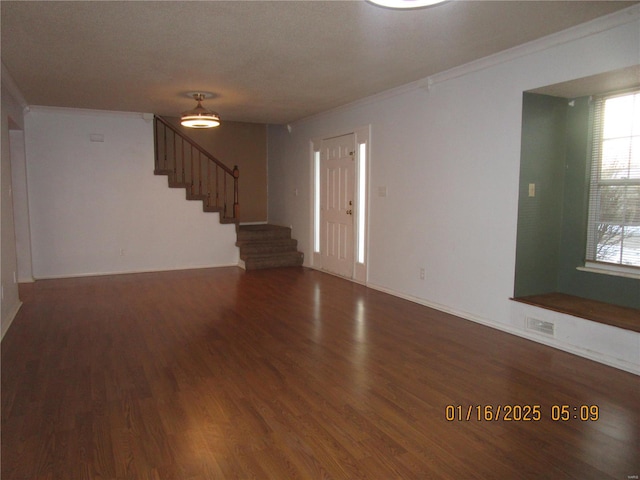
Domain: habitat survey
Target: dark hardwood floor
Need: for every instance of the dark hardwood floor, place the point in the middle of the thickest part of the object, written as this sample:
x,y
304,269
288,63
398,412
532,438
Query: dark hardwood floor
x,y
292,373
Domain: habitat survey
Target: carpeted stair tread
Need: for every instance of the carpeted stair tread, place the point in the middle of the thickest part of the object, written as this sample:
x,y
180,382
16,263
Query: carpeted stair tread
x,y
267,246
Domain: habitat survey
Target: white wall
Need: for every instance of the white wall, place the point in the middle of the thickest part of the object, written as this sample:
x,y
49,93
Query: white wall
x,y
21,205
448,151
12,119
97,208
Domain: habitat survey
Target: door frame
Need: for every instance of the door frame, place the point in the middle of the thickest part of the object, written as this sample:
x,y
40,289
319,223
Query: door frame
x,y
361,201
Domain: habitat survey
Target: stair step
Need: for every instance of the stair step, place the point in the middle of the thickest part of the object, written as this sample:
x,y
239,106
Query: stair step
x,y
173,182
191,196
207,208
195,170
267,246
276,241
179,185
275,260
275,246
263,232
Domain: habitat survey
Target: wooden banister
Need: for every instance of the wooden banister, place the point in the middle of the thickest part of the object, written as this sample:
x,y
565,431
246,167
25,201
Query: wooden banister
x,y
190,166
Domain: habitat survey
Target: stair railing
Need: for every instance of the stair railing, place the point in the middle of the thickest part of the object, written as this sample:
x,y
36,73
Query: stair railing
x,y
190,166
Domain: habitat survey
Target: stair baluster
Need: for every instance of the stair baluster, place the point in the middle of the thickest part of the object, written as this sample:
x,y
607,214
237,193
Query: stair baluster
x,y
189,173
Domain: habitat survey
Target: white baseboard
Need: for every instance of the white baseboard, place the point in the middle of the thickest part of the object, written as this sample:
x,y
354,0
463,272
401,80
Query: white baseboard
x,y
128,272
10,319
581,352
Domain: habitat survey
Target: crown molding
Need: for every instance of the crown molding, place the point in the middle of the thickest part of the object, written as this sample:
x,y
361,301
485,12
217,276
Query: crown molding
x,y
593,27
89,112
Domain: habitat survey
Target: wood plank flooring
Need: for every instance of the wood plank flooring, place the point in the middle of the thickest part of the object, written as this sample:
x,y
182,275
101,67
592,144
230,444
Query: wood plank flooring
x,y
291,374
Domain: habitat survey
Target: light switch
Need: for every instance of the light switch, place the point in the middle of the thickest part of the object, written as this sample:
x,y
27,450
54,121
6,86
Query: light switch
x,y
382,191
532,189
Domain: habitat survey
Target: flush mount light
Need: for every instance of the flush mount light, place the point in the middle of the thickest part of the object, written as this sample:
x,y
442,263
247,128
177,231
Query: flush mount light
x,y
405,4
200,117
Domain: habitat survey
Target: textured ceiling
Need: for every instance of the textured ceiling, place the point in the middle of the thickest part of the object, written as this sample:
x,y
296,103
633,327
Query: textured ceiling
x,y
612,81
264,61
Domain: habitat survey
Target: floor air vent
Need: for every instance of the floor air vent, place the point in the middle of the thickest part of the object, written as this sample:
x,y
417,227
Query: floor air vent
x,y
540,326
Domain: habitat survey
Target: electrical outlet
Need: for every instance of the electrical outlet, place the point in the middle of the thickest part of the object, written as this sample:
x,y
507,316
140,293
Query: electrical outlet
x,y
422,273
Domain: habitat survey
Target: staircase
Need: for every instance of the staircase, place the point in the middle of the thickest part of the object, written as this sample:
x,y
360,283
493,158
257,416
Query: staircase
x,y
189,166
205,178
267,246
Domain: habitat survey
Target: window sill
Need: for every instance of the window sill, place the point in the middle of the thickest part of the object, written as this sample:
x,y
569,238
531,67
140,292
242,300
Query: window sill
x,y
610,270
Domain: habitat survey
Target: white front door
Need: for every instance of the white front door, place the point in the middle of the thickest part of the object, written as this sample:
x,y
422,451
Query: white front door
x,y
337,198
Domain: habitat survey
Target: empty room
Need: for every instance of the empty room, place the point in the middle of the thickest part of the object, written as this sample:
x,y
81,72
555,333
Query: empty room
x,y
320,239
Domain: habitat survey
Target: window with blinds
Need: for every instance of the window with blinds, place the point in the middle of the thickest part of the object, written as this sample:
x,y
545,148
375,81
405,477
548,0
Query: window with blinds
x,y
614,199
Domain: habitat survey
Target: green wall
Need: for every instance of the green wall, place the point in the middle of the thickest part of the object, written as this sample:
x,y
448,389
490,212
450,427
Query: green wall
x,y
552,225
540,217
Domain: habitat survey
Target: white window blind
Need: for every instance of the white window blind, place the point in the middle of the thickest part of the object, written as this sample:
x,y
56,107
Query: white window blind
x,y
614,198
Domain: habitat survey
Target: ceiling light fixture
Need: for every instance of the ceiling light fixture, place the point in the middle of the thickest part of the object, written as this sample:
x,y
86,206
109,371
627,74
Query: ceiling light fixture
x,y
405,4
200,117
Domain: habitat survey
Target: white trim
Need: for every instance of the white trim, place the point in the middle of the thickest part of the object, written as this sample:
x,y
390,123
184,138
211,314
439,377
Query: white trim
x,y
337,275
132,272
314,260
593,27
89,112
362,135
11,317
615,270
581,352
315,202
376,97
